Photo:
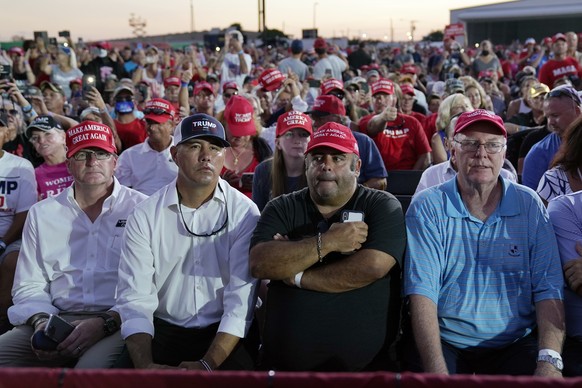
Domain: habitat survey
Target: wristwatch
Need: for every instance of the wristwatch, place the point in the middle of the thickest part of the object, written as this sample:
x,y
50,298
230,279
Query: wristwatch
x,y
551,357
110,326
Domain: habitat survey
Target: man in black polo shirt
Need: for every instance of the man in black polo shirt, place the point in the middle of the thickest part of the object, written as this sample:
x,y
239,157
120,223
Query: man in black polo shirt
x,y
333,299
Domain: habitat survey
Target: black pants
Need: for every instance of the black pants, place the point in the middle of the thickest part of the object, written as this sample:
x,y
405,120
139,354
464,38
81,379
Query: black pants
x,y
173,344
518,358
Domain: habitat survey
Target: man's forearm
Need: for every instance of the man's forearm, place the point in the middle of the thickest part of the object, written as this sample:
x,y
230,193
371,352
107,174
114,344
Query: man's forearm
x,y
15,231
140,349
427,336
244,69
278,260
551,326
376,124
356,271
422,162
108,120
220,348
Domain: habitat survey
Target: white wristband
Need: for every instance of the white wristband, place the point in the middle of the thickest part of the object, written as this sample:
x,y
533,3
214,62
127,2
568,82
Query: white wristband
x,y
298,279
549,352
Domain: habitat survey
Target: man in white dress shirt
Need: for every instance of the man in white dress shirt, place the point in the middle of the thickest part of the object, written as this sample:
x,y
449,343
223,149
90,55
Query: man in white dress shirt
x,y
185,294
68,261
148,166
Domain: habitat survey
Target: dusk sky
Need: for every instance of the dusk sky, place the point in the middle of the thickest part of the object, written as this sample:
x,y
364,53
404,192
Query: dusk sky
x,y
108,19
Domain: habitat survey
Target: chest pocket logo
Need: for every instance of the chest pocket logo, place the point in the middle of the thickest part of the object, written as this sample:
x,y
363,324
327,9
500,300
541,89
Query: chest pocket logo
x,y
514,251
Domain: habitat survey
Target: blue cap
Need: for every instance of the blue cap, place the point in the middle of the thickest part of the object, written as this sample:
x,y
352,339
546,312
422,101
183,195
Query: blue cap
x,y
197,126
296,46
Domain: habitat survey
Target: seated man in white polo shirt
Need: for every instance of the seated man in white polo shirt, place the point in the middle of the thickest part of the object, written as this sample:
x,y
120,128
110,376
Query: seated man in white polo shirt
x,y
148,166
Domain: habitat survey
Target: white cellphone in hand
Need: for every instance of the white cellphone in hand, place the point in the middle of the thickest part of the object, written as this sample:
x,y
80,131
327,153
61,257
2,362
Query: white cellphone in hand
x,y
352,216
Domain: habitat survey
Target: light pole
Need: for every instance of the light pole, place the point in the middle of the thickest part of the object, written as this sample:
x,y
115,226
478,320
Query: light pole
x,y
314,24
191,15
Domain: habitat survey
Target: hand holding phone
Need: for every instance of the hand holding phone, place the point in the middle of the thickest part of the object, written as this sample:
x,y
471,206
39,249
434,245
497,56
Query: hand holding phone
x,y
57,329
89,81
246,181
352,216
41,342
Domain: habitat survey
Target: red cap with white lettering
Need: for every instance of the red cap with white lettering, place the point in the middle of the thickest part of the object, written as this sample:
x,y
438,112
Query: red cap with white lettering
x,y
291,120
89,134
239,115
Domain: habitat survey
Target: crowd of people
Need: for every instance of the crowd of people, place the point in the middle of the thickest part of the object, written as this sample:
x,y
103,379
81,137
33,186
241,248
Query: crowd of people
x,y
227,209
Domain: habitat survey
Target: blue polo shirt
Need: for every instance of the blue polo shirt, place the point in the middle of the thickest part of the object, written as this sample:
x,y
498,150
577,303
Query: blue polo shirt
x,y
484,277
372,163
538,159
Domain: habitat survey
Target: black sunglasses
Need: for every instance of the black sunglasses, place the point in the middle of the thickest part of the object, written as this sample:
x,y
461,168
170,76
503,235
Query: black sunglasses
x,y
156,111
11,112
565,92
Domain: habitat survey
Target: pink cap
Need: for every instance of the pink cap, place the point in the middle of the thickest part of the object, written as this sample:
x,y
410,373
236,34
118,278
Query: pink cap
x,y
239,115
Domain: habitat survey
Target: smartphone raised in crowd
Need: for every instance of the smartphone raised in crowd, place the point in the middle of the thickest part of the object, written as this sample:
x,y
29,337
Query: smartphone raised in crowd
x,y
89,80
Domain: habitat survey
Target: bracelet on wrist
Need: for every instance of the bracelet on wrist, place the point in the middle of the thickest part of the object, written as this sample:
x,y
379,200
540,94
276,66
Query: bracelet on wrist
x,y
39,321
184,84
319,247
241,52
205,364
34,321
297,279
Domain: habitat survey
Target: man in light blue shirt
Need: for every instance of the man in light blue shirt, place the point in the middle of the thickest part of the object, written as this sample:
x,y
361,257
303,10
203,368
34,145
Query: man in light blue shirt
x,y
482,268
562,106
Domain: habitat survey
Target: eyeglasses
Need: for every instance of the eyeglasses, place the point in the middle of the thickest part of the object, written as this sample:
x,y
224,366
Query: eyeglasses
x,y
155,111
84,155
123,99
473,146
205,234
229,95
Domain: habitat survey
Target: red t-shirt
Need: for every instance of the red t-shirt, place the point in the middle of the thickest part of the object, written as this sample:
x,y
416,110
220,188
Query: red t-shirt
x,y
430,126
401,143
421,119
553,70
131,133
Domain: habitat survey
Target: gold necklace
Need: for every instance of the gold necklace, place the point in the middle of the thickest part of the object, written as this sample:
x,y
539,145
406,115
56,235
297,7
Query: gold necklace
x,y
235,155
